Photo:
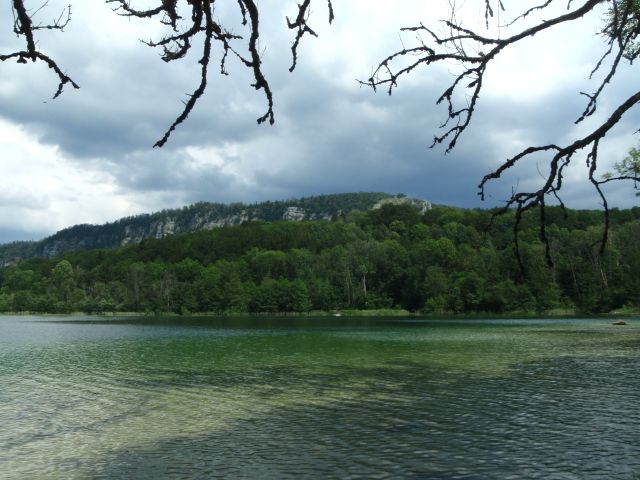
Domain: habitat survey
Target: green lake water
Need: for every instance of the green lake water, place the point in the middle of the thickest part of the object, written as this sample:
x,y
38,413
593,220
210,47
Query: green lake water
x,y
82,397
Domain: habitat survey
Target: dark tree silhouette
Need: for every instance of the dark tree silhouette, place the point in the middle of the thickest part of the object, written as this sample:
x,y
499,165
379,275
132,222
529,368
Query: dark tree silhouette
x,y
475,52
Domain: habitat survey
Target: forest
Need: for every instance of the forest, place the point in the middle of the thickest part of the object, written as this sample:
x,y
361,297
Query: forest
x,y
443,261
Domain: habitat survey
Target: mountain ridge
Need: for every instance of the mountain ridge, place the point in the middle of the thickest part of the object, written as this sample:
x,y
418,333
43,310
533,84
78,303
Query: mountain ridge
x,y
196,217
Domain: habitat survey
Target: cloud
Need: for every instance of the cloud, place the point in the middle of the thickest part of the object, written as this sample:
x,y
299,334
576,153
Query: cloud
x,y
12,197
44,191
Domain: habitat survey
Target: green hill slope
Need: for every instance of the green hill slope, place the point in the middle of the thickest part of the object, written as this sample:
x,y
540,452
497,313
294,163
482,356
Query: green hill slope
x,y
193,218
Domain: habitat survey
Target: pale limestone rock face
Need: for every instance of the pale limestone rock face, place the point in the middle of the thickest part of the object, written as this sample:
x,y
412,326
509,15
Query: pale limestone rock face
x,y
420,205
226,221
163,228
167,226
132,236
294,213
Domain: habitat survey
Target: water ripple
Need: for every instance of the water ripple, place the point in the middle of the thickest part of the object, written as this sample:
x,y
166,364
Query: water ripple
x,y
476,403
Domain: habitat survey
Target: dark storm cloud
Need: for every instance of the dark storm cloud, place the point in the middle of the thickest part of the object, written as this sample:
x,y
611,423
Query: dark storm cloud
x,y
361,141
167,171
128,95
354,140
129,109
330,139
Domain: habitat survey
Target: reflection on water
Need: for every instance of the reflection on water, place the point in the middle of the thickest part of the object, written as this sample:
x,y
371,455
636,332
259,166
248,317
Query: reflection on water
x,y
295,398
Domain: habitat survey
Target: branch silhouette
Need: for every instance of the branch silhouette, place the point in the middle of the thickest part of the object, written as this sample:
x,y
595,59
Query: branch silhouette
x,y
476,52
186,21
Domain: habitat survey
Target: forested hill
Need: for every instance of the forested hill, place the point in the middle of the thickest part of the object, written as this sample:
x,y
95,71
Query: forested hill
x,y
193,218
442,260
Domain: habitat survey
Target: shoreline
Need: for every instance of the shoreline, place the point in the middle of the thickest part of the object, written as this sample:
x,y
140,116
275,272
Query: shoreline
x,y
350,313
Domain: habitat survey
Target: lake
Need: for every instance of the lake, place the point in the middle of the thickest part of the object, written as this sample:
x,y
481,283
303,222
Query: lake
x,y
86,397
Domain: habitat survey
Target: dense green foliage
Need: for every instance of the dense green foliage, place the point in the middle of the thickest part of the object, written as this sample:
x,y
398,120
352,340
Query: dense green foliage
x,y
445,260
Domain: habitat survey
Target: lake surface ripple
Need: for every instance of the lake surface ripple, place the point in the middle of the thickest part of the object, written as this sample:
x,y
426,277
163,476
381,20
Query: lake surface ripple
x,y
82,397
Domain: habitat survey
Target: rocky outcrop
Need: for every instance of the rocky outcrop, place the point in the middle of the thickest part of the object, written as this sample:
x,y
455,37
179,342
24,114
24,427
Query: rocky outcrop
x,y
196,217
421,206
296,214
209,221
170,226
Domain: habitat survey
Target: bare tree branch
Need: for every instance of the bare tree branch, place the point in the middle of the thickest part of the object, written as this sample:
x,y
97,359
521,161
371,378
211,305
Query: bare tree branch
x,y
475,53
471,77
523,201
176,44
23,27
302,27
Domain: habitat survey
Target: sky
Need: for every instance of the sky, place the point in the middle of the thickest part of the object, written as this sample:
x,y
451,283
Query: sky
x,y
88,156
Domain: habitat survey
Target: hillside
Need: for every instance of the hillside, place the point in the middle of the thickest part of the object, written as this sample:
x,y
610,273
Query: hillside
x,y
442,261
193,218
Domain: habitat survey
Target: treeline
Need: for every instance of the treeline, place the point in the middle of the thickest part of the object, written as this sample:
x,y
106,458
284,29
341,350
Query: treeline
x,y
443,261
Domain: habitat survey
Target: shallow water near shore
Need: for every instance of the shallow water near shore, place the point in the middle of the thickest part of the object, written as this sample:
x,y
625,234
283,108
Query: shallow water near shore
x,y
85,397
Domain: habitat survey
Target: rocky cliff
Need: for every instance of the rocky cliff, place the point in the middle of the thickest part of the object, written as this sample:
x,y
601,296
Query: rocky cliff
x,y
200,216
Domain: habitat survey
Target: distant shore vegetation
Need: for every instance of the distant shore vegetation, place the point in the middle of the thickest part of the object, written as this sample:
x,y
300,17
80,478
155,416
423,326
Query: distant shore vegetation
x,y
392,259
